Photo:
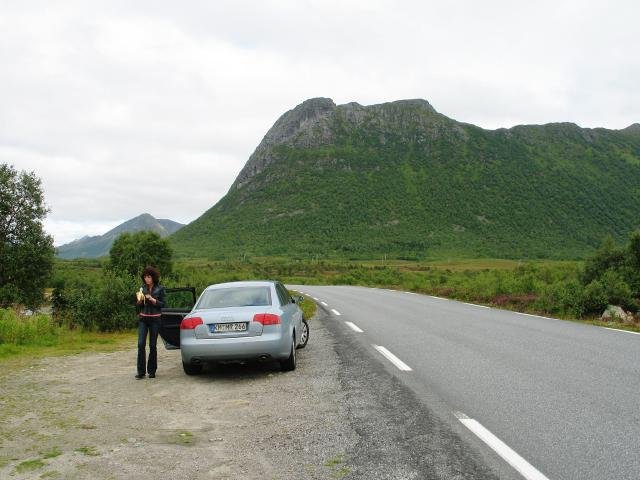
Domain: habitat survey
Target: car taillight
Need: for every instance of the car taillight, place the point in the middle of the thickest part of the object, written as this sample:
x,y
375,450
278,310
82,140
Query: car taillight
x,y
190,323
266,318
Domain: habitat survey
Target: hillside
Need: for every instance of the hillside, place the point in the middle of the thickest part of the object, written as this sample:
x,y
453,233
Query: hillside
x,y
402,180
97,246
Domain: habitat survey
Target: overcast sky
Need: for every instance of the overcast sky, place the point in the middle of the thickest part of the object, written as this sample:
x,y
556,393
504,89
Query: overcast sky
x,y
125,107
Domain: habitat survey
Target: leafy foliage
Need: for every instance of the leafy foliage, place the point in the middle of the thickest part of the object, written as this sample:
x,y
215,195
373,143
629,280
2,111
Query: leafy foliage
x,y
103,304
131,252
612,276
26,251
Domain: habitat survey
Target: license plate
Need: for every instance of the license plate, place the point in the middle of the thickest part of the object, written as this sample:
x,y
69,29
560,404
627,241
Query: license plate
x,y
228,327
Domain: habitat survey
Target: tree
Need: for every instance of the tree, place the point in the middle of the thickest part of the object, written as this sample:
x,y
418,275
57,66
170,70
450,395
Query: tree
x,y
26,251
608,256
131,252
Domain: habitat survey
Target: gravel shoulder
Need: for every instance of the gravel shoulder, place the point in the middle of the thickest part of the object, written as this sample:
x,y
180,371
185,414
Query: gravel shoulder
x,y
87,417
340,414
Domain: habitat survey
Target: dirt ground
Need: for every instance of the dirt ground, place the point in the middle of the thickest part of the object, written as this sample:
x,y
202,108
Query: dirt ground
x,y
87,417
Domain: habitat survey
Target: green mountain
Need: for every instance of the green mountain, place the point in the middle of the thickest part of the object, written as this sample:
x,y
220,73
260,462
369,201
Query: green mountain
x,y
99,245
402,180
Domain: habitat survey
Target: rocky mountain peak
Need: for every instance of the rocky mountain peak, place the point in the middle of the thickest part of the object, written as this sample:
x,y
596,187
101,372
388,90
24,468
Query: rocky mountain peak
x,y
295,128
309,125
633,128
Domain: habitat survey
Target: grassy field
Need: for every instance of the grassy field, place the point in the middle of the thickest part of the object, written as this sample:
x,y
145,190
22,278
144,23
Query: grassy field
x,y
25,338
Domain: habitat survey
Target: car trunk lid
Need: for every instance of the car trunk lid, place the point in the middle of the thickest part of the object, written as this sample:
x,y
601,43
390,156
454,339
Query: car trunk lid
x,y
229,323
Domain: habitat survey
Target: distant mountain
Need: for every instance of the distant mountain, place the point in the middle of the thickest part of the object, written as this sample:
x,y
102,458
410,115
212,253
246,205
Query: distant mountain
x,y
92,247
402,180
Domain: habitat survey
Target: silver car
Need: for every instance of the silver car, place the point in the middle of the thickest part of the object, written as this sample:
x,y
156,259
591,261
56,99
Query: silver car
x,y
242,321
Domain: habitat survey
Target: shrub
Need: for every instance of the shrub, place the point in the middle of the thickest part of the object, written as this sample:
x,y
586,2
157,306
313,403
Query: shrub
x,y
618,292
104,305
594,298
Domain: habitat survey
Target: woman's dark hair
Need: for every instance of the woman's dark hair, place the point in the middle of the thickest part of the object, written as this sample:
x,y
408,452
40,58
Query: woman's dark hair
x,y
155,275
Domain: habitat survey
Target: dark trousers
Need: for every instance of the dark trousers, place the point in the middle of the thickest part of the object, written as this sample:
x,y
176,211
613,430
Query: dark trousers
x,y
151,325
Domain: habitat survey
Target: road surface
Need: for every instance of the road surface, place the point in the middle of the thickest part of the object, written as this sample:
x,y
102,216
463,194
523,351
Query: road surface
x,y
545,398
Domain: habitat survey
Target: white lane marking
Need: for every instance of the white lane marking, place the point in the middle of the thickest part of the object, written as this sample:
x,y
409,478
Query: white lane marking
x,y
354,327
437,298
335,312
474,305
325,304
393,359
534,316
411,293
525,469
623,331
315,298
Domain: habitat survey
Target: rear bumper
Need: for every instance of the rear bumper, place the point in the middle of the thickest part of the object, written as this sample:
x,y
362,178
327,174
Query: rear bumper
x,y
268,345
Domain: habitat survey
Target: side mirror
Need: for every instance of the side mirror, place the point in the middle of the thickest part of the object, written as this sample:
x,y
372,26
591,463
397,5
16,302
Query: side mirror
x,y
297,299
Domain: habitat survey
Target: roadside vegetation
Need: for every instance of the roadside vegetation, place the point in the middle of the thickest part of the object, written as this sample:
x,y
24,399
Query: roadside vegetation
x,y
564,289
40,335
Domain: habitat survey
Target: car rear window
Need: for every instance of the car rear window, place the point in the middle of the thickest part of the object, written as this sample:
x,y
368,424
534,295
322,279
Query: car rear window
x,y
235,297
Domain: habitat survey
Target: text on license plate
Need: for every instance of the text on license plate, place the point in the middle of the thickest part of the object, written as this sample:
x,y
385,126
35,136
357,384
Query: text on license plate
x,y
228,327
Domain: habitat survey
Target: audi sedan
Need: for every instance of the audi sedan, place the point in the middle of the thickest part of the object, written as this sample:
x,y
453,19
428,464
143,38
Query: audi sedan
x,y
236,321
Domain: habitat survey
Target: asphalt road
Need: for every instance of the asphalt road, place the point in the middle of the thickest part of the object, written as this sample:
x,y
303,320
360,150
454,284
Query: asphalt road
x,y
561,400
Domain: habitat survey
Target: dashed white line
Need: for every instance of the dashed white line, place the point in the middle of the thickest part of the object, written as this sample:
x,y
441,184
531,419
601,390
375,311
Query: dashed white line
x,y
393,359
354,327
315,298
325,304
335,312
527,470
437,298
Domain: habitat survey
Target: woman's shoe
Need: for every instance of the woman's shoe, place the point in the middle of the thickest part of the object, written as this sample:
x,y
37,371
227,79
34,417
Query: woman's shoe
x,y
140,375
152,375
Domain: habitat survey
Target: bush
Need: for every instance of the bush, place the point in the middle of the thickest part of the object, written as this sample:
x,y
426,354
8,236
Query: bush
x,y
594,298
563,297
618,292
104,305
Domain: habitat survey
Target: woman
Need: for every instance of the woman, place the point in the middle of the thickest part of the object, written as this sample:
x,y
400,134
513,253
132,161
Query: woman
x,y
151,298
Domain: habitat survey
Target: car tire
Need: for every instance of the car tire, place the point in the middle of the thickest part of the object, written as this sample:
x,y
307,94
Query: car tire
x,y
290,363
191,369
304,335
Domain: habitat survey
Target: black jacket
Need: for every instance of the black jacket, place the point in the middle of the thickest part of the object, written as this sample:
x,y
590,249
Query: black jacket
x,y
149,308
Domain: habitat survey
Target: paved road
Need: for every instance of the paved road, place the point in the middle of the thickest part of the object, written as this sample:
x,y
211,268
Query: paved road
x,y
563,398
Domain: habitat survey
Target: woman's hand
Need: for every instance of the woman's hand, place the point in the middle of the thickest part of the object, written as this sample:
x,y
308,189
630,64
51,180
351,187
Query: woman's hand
x,y
150,298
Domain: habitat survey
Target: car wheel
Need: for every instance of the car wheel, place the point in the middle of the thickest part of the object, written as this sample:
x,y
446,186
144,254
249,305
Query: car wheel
x,y
191,369
304,336
290,363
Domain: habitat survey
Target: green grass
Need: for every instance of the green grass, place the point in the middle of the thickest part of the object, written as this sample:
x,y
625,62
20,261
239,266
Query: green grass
x,y
29,466
38,336
182,437
307,306
54,452
89,451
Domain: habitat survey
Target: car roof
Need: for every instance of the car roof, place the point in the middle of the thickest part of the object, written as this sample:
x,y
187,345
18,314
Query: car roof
x,y
245,283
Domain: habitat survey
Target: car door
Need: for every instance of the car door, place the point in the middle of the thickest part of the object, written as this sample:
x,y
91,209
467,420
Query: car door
x,y
178,303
